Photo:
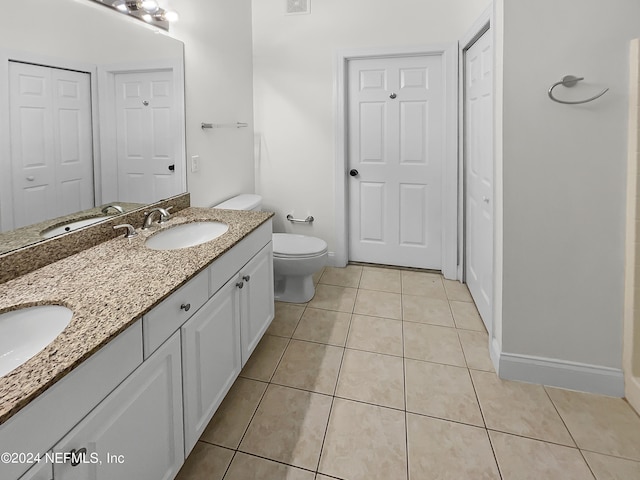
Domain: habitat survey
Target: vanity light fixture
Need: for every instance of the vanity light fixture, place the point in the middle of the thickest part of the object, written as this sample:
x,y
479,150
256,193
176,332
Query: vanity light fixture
x,y
146,10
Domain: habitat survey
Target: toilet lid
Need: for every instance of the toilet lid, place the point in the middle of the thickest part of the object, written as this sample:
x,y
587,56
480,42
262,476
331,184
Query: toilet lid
x,y
291,245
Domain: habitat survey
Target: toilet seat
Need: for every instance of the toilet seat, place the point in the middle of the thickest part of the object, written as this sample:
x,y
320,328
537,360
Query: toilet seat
x,y
289,245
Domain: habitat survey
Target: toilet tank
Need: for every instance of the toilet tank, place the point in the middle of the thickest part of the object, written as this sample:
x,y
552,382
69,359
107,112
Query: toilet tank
x,y
244,201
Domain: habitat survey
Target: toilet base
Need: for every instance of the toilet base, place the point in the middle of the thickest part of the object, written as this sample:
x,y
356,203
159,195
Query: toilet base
x,y
293,288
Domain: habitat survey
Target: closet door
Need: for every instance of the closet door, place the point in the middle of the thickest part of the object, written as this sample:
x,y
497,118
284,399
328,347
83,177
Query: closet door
x,y
478,127
51,142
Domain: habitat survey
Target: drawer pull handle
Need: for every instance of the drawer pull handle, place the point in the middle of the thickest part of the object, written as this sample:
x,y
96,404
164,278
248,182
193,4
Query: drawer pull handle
x,y
185,307
246,278
240,284
77,456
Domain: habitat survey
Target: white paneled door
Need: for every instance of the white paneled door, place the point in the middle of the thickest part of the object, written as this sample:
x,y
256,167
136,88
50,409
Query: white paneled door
x,y
478,128
146,129
396,139
51,142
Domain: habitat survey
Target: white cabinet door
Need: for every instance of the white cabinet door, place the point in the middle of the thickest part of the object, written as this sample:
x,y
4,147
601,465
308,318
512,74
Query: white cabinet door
x,y
210,359
257,307
136,432
41,471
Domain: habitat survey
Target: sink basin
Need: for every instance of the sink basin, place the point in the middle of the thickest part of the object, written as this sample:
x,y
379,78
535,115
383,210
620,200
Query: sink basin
x,y
186,235
70,226
25,332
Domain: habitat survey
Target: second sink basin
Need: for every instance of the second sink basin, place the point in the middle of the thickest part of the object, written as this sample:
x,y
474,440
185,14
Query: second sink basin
x,y
26,331
186,235
70,226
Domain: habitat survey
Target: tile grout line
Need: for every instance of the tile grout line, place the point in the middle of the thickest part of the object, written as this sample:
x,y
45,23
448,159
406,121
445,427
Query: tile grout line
x,y
560,416
404,382
333,397
235,452
275,461
486,429
270,382
263,393
569,431
473,385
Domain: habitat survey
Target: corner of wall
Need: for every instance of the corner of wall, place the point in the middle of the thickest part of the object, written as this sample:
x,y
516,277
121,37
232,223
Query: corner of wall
x,y
498,74
631,345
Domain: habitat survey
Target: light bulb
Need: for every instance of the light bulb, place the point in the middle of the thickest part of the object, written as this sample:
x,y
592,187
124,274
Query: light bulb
x,y
121,6
150,6
171,16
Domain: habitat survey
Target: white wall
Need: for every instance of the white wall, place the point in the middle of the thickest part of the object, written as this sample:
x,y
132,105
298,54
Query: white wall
x,y
82,31
218,78
75,34
564,180
294,61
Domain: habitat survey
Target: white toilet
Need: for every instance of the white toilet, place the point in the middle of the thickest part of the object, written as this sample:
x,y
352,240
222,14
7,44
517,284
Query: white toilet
x,y
295,257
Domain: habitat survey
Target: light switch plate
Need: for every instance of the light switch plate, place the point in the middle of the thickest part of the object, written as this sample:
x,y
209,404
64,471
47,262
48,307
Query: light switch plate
x,y
195,163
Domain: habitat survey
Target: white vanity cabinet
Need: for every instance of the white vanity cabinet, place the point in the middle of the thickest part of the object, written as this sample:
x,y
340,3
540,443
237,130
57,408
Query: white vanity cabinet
x,y
136,408
218,339
40,471
211,359
136,432
256,305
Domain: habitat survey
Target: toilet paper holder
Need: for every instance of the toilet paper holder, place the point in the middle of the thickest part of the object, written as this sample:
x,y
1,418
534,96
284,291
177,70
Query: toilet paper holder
x,y
309,219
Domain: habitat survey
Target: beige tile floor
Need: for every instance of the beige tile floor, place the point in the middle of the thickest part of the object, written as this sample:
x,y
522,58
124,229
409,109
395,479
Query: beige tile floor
x,y
386,375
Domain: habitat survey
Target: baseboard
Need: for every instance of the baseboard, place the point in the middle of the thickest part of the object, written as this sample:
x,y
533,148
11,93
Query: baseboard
x,y
560,373
332,260
632,392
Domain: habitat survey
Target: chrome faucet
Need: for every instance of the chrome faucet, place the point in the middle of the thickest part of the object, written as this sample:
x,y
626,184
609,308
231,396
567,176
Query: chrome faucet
x,y
117,208
148,219
131,232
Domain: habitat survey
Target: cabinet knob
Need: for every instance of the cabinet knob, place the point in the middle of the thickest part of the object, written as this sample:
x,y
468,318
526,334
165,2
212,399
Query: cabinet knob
x,y
246,278
240,284
185,307
77,456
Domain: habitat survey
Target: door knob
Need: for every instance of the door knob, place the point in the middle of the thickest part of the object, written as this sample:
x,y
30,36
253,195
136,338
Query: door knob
x,y
485,199
353,172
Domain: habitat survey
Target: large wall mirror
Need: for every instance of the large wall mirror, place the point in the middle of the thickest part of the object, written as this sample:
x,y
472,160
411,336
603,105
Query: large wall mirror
x,y
91,117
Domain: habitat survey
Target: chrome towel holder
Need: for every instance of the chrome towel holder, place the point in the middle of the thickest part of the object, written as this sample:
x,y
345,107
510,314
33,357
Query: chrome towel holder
x,y
204,125
570,81
309,219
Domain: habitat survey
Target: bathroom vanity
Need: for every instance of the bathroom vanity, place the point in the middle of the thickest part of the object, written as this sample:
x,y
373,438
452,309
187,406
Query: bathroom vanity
x,y
157,339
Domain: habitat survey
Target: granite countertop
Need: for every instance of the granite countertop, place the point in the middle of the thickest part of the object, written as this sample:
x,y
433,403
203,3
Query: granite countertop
x,y
108,287
31,234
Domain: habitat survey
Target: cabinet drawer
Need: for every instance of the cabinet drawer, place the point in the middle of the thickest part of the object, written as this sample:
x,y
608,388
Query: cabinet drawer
x,y
166,318
228,264
50,416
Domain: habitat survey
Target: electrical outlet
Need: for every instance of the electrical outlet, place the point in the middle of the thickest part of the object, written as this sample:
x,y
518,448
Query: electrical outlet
x,y
195,163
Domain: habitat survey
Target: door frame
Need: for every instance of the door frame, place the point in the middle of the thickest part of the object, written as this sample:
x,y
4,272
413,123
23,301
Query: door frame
x,y
6,187
108,146
449,54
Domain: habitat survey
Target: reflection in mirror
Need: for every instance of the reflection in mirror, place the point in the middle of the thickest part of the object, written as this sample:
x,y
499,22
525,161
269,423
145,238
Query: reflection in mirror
x,y
91,115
